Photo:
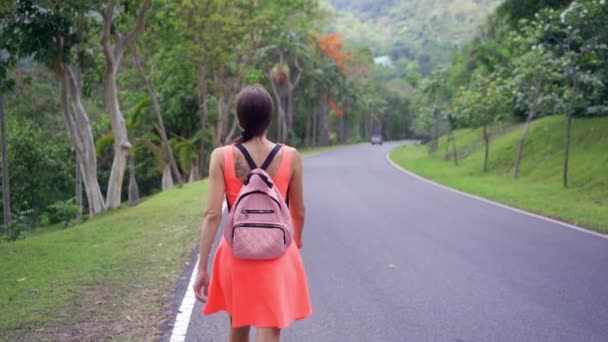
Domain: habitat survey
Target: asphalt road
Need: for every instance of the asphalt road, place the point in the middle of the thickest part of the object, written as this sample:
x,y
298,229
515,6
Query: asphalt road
x,y
392,258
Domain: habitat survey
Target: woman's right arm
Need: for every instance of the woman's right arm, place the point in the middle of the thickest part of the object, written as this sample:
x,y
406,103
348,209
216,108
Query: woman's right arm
x,y
211,220
296,197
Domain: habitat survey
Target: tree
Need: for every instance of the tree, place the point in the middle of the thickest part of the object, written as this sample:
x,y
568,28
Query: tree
x,y
6,197
481,105
159,117
49,35
437,94
571,35
114,53
7,61
533,78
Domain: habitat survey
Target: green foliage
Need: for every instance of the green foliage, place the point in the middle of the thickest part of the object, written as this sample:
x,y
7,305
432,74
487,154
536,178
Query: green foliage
x,y
19,224
425,34
40,167
556,63
533,83
483,103
63,212
516,10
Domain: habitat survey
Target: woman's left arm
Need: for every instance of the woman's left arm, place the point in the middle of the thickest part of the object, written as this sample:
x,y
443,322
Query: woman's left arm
x,y
211,221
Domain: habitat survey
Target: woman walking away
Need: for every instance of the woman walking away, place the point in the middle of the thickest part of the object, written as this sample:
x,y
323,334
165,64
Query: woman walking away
x,y
258,276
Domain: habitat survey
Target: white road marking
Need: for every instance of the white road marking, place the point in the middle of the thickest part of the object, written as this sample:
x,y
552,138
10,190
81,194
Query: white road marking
x,y
504,206
182,321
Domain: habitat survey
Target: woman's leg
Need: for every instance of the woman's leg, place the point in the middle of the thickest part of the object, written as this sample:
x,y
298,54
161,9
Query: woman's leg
x,y
267,334
240,334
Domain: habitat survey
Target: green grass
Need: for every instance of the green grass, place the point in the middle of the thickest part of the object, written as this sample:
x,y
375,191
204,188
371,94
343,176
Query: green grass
x,y
539,189
107,278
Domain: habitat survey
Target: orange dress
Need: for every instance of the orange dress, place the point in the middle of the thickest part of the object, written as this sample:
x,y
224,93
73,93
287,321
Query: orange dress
x,y
260,293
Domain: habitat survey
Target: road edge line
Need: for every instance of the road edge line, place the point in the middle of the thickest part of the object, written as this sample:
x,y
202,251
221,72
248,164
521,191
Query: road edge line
x,y
485,200
186,308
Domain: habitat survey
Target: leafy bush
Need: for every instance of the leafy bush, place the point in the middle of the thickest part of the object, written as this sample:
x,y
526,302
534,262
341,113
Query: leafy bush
x,y
63,212
19,223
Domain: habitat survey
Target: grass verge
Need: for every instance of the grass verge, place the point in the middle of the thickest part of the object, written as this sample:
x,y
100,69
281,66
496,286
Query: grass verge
x,y
539,188
109,278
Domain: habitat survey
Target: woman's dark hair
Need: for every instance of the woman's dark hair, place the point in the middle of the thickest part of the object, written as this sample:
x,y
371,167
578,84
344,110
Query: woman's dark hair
x,y
254,111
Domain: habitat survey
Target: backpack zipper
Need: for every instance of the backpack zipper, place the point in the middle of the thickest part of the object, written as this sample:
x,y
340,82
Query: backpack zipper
x,y
256,211
256,192
260,225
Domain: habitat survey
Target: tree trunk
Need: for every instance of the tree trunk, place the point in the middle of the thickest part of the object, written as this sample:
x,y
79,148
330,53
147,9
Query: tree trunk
x,y
133,188
567,149
167,180
6,197
522,139
219,80
307,132
280,110
430,143
343,126
81,135
290,105
285,129
486,140
122,146
78,187
455,151
315,126
159,117
569,126
113,56
195,174
203,105
447,146
435,132
324,121
290,114
229,137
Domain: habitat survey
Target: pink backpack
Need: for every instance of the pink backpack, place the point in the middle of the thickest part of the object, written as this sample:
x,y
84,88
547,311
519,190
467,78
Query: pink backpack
x,y
259,224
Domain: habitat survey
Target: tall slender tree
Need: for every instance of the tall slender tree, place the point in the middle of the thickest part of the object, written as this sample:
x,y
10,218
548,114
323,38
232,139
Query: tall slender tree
x,y
114,46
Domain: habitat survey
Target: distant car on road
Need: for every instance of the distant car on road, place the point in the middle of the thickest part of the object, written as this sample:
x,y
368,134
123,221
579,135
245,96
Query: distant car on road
x,y
376,139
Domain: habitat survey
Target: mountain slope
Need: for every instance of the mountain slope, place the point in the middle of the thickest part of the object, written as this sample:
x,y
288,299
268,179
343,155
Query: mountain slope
x,y
419,34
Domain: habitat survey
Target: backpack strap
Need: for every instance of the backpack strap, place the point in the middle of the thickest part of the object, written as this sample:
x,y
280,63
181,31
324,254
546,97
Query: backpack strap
x,y
271,156
247,156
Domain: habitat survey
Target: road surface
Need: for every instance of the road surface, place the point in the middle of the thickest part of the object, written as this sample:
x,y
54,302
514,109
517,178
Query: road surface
x,y
393,258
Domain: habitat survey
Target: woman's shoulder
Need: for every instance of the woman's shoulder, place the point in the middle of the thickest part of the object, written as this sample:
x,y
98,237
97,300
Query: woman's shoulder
x,y
294,153
218,152
291,149
217,155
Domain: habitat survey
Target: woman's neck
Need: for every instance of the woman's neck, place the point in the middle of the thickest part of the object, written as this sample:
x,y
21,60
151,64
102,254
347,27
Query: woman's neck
x,y
261,140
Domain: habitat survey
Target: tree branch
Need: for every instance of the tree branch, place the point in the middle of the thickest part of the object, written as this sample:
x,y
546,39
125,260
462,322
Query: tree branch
x,y
299,74
130,37
107,31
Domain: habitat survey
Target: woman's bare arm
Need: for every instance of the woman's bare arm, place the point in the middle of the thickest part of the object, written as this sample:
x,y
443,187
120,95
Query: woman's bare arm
x,y
213,213
296,197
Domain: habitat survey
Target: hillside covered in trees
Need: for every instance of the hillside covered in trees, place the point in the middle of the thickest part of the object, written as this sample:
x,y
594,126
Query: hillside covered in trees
x,y
417,35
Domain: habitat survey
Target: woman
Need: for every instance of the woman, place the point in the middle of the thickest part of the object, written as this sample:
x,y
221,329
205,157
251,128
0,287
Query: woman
x,y
267,294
